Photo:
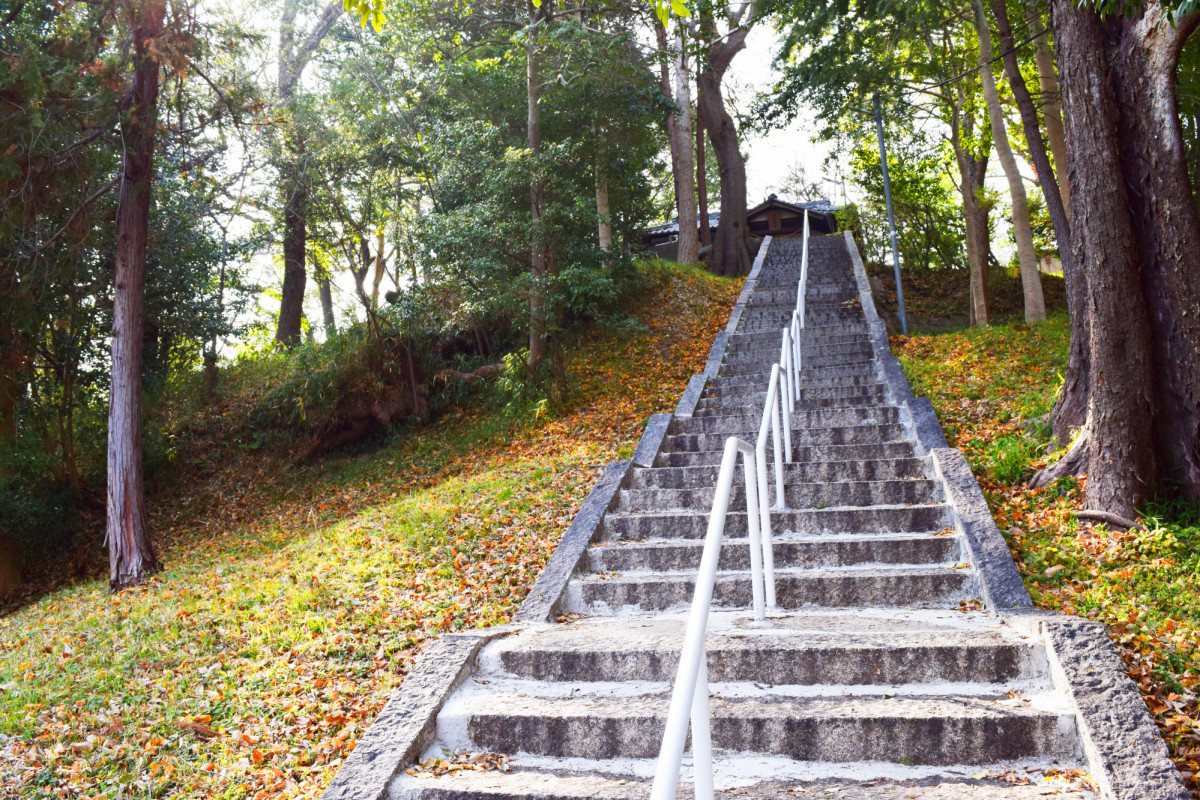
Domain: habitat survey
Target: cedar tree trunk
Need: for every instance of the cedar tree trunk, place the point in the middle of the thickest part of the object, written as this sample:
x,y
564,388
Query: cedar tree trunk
x,y
130,555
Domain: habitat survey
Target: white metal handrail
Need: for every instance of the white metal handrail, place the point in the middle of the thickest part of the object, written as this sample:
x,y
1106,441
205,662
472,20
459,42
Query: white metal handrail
x,y
800,290
689,697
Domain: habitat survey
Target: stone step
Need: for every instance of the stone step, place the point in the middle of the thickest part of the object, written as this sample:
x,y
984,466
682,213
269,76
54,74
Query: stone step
x,y
798,495
856,470
607,781
810,365
808,380
936,586
848,434
874,390
800,454
808,418
693,525
813,552
906,653
937,731
719,406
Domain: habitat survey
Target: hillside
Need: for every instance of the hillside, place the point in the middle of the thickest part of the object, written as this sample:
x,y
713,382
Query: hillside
x,y
297,593
1143,585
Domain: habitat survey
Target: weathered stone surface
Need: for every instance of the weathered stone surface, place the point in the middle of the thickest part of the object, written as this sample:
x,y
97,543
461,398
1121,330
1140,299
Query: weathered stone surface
x,y
407,723
652,440
691,396
1127,756
545,598
1002,586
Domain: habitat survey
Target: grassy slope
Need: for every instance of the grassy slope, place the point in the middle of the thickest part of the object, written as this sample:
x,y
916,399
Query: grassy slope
x,y
1145,587
297,595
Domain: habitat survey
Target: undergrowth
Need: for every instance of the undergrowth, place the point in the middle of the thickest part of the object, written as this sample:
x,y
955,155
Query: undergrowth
x,y
297,593
990,388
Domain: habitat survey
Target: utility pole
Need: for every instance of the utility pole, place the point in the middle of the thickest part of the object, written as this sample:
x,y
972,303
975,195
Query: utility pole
x,y
887,197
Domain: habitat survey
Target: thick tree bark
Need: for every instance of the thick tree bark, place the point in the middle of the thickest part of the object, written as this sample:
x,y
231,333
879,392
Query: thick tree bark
x,y
730,253
539,260
1166,226
1070,408
130,554
1121,469
293,59
1051,106
685,199
295,242
702,183
1031,279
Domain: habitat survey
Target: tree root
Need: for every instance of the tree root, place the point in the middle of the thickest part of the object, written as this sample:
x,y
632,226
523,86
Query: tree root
x,y
1110,519
1073,463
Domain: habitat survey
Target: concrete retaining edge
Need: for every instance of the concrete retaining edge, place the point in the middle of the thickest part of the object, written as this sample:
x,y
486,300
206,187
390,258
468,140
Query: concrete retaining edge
x,y
920,411
1000,583
408,723
1124,751
545,599
691,396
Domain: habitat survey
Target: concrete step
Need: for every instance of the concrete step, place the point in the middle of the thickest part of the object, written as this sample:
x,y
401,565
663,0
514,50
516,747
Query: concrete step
x,y
801,454
937,731
807,651
856,470
798,495
937,586
848,434
809,418
693,525
792,552
610,780
874,390
717,407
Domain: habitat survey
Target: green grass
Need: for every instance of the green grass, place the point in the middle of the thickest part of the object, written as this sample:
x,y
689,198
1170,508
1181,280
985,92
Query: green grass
x,y
987,385
297,594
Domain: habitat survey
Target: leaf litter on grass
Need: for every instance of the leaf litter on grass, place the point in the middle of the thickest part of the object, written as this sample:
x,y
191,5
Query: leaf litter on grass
x,y
297,596
988,386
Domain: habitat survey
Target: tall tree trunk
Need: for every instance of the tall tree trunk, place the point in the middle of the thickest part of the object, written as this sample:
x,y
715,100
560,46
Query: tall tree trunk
x,y
702,183
1051,107
1166,226
1031,279
672,124
1070,407
130,555
539,262
730,253
10,385
603,220
1121,469
971,172
685,199
377,278
295,242
293,58
326,293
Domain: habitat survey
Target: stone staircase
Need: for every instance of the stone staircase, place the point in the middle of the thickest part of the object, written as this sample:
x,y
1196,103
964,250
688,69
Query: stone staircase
x,y
879,677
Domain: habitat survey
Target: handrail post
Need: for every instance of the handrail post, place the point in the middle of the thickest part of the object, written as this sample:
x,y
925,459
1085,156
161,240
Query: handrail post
x,y
776,435
753,529
702,763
